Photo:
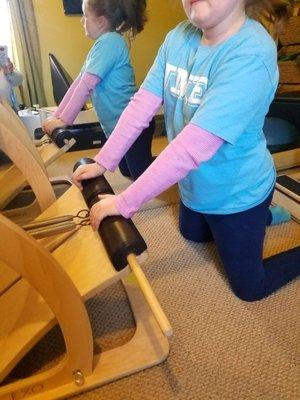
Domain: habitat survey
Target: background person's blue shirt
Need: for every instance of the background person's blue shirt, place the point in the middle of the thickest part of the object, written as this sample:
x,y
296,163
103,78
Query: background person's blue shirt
x,y
109,59
225,89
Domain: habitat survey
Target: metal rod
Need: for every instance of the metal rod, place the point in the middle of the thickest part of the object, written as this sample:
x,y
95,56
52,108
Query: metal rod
x,y
54,230
47,222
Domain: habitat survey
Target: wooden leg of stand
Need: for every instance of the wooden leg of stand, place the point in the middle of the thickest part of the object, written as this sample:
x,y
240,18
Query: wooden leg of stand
x,y
149,295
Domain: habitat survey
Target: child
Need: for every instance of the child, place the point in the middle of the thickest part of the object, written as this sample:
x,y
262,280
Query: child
x,y
107,75
217,75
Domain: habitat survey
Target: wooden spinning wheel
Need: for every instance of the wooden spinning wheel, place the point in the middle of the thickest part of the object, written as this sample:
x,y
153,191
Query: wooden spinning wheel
x,y
39,289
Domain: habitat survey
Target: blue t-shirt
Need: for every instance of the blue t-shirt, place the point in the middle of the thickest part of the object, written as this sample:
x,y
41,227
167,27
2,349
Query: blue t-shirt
x,y
109,59
225,89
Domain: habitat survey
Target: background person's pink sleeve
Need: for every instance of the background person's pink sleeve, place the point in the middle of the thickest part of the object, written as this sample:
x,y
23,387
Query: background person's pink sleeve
x,y
81,92
134,119
185,153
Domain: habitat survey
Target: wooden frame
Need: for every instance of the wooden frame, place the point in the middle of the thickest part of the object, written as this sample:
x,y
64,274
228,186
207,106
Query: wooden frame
x,y
287,199
17,145
80,370
287,159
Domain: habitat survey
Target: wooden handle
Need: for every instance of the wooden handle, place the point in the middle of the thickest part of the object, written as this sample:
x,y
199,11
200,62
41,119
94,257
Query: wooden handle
x,y
158,312
54,230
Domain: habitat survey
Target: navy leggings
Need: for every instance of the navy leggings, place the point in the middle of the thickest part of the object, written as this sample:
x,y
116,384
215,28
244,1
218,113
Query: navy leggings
x,y
138,157
239,238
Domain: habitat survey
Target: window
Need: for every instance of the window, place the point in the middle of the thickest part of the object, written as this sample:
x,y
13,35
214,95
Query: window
x,y
5,27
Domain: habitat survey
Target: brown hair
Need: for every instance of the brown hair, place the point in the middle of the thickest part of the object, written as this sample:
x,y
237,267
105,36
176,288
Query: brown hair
x,y
275,11
123,15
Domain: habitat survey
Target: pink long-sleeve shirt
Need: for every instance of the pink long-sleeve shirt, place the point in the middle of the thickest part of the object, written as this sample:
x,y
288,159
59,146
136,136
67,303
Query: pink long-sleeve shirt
x,y
185,153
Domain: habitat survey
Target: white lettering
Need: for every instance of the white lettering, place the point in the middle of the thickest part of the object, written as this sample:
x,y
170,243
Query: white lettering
x,y
181,85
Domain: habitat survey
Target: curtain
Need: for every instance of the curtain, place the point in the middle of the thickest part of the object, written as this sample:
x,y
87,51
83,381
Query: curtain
x,y
26,44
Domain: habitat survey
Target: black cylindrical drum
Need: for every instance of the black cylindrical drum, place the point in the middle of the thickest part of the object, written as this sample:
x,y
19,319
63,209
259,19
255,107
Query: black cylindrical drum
x,y
119,235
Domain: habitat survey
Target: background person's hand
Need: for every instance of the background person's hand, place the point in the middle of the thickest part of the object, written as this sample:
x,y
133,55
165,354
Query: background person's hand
x,y
8,67
104,208
52,123
87,171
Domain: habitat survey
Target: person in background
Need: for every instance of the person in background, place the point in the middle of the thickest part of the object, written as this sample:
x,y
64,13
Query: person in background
x,y
107,75
9,78
216,75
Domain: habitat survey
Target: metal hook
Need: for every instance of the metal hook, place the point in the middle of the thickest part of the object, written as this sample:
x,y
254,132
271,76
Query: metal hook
x,y
83,214
84,222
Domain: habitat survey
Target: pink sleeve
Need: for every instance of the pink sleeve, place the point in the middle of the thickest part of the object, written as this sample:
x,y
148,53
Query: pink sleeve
x,y
135,118
191,147
79,96
66,98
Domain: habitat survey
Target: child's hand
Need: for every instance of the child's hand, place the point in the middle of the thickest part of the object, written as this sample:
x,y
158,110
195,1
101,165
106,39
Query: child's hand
x,y
87,171
52,123
105,207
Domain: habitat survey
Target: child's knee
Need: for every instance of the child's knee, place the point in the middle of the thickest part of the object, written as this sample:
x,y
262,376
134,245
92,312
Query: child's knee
x,y
248,294
185,233
189,234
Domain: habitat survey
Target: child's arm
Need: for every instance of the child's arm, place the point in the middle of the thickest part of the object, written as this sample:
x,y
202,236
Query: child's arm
x,y
72,103
189,149
77,97
66,98
185,153
135,118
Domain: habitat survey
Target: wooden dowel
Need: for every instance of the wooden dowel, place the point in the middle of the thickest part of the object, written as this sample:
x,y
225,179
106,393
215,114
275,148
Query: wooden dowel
x,y
149,295
55,243
54,230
